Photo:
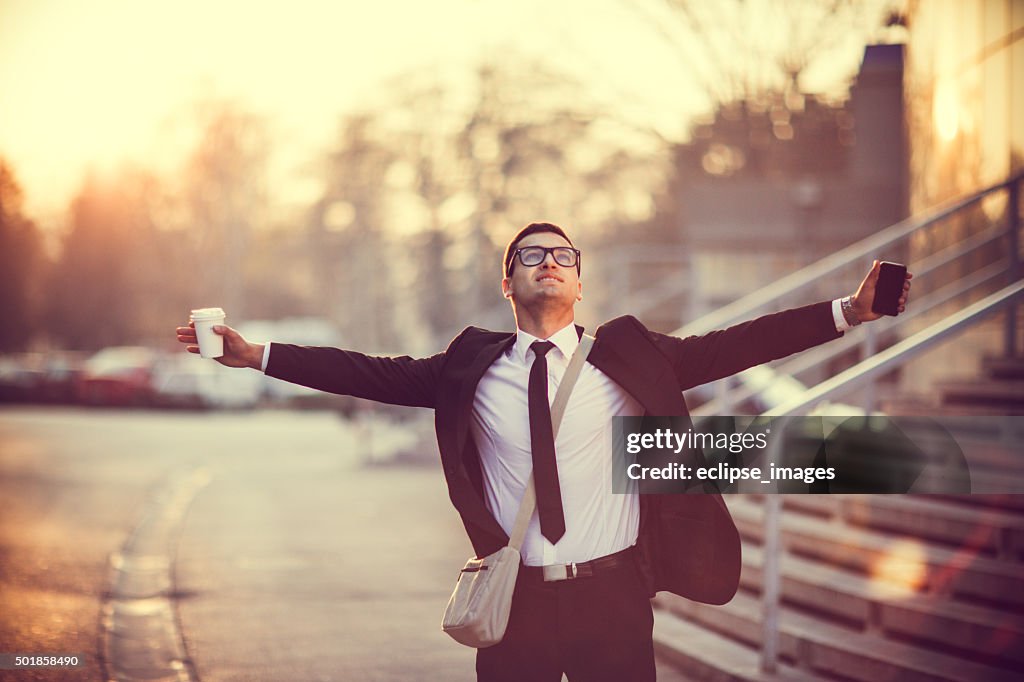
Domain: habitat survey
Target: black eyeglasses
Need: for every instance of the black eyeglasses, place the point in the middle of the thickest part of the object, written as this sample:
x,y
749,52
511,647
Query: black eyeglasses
x,y
530,256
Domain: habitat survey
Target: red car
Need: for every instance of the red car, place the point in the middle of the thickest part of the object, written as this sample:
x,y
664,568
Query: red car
x,y
119,376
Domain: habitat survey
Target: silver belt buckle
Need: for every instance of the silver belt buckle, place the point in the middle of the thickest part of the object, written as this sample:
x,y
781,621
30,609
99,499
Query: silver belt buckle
x,y
556,572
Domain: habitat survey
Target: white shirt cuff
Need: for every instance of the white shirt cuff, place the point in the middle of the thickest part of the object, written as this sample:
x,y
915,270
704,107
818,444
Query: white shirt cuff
x,y
837,317
266,357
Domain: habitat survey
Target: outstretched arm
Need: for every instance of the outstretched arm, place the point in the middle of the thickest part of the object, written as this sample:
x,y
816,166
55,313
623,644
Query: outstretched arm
x,y
701,359
395,380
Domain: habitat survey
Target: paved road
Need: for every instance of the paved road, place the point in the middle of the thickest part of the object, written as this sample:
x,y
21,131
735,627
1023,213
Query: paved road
x,y
254,546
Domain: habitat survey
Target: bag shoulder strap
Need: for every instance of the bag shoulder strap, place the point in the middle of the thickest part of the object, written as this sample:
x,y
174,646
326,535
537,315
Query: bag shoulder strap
x,y
572,373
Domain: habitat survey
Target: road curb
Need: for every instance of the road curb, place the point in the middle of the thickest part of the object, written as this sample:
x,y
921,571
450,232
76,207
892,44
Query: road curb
x,y
141,638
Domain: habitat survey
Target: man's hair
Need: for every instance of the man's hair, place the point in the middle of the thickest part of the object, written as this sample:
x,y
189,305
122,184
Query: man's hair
x,y
533,228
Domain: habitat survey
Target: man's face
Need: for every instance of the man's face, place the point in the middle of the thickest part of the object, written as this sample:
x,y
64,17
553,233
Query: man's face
x,y
546,284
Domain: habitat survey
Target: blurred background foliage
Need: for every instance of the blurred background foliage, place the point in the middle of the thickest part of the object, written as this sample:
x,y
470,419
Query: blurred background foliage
x,y
413,202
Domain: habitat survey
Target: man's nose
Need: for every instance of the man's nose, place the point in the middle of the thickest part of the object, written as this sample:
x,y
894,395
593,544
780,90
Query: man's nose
x,y
549,261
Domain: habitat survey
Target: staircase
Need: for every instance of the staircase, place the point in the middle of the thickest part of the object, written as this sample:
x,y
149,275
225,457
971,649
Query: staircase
x,y
881,587
873,588
996,389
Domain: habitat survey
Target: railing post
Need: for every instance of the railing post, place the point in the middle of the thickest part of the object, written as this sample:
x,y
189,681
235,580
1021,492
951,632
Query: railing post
x,y
770,580
1013,268
771,547
871,389
870,348
723,393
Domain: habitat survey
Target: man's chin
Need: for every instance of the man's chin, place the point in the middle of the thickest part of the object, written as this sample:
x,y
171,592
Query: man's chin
x,y
549,293
547,300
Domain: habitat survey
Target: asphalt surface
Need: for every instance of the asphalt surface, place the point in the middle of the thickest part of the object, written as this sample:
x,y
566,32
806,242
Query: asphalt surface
x,y
249,546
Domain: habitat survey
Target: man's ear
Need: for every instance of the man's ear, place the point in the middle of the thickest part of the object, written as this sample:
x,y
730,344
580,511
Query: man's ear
x,y
579,290
506,287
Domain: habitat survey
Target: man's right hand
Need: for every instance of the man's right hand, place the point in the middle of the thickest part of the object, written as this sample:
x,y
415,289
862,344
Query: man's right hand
x,y
237,351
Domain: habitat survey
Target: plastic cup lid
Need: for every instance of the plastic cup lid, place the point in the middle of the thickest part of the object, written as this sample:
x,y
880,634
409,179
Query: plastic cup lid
x,y
207,313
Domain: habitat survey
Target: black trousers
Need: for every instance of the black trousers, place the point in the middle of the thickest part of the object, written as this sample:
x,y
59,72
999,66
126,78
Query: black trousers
x,y
592,629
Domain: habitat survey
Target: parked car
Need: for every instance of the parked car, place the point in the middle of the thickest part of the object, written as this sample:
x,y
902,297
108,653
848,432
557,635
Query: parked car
x,y
189,382
118,376
308,331
19,376
61,373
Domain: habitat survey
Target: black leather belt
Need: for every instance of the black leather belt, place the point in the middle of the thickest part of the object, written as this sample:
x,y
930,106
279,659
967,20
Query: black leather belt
x,y
556,572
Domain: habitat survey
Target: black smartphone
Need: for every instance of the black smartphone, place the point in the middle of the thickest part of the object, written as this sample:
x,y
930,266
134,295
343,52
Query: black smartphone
x,y
889,288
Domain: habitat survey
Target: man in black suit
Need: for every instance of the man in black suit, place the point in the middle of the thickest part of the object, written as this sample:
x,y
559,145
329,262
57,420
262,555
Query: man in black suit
x,y
592,559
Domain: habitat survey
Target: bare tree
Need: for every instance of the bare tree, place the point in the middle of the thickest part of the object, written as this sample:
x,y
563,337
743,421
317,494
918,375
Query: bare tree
x,y
225,197
352,258
103,289
529,147
740,50
21,261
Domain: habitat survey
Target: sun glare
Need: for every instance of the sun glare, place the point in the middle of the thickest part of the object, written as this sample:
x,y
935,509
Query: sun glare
x,y
901,570
946,112
96,83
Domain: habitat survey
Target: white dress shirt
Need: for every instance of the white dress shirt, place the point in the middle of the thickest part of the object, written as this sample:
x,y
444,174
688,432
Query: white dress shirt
x,y
597,521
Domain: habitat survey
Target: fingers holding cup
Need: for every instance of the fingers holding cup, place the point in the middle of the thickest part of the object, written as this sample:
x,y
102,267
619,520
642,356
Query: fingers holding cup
x,y
203,320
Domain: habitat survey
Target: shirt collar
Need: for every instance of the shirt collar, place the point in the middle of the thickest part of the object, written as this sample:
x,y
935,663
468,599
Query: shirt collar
x,y
565,340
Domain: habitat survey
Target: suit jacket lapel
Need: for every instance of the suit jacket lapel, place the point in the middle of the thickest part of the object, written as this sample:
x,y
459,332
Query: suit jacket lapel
x,y
648,382
484,359
608,360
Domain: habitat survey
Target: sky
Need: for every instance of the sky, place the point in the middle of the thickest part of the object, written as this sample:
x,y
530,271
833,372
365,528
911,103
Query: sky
x,y
93,85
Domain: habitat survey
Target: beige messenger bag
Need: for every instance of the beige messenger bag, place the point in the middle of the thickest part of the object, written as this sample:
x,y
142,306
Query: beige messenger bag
x,y
477,613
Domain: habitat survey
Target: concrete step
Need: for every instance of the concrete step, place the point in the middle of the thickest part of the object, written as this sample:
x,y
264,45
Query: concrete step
x,y
989,442
931,408
987,483
829,649
997,532
705,655
823,506
987,635
1005,395
899,559
1003,368
993,447
827,506
985,501
994,458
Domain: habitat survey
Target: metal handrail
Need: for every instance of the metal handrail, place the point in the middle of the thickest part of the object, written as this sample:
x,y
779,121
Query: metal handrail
x,y
747,306
898,354
818,355
728,394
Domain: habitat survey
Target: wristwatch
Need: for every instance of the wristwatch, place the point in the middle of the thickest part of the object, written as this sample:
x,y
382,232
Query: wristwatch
x,y
846,305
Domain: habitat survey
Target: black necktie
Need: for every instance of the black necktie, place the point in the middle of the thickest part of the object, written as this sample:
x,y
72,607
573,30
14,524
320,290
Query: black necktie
x,y
542,441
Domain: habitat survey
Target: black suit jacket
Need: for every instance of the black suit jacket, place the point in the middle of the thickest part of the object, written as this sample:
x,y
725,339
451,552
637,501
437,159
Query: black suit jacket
x,y
689,543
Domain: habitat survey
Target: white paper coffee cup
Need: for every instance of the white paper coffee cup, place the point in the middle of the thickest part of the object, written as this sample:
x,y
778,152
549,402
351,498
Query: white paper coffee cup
x,y
211,344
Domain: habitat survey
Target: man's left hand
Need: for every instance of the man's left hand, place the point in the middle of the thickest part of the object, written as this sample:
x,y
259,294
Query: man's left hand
x,y
866,295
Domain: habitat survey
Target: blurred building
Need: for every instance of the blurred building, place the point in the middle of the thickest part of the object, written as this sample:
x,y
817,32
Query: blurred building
x,y
771,186
965,119
965,72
